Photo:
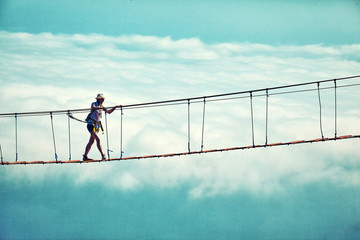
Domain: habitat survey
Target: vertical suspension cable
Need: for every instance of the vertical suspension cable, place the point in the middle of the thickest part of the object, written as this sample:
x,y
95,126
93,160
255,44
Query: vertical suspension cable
x,y
16,139
121,132
267,116
335,110
53,134
318,87
252,119
189,125
2,160
107,136
203,124
69,134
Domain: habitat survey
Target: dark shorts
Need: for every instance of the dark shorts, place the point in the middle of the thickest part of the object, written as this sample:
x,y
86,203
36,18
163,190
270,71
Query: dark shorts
x,y
90,127
93,127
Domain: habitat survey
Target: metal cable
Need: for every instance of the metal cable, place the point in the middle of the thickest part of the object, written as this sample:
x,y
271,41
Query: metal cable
x,y
69,135
188,108
2,160
321,130
267,116
53,134
121,132
252,120
335,117
16,142
182,101
107,136
203,125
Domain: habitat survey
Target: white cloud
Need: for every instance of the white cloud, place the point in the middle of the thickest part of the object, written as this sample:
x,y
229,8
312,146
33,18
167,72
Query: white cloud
x,y
125,181
52,72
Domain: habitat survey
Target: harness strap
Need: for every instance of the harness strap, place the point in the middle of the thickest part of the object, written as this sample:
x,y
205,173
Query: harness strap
x,y
98,122
72,117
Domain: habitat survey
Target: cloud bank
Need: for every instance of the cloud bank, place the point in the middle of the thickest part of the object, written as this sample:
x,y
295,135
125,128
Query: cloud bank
x,y
52,72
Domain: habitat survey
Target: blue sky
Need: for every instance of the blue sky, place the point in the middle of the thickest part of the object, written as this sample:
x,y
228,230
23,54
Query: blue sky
x,y
274,22
60,54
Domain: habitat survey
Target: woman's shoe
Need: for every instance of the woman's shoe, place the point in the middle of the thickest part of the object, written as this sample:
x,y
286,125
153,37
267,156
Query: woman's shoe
x,y
85,158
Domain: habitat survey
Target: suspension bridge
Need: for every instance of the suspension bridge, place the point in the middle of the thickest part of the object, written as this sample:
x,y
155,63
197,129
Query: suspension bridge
x,y
266,93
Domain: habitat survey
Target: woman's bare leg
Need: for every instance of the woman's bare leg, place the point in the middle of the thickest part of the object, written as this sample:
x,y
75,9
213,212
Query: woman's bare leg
x,y
90,143
98,143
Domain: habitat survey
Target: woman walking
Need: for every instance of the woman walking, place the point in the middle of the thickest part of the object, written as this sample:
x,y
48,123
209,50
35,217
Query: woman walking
x,y
94,124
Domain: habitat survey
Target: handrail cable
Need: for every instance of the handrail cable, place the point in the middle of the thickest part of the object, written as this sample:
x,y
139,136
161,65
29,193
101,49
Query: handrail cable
x,y
148,104
3,115
279,93
241,92
240,97
199,99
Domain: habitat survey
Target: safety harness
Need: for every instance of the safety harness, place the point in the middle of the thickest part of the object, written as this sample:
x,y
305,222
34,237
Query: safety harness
x,y
87,120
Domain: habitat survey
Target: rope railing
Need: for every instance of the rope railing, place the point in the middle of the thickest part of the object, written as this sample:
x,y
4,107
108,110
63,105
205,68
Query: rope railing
x,y
204,100
209,98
